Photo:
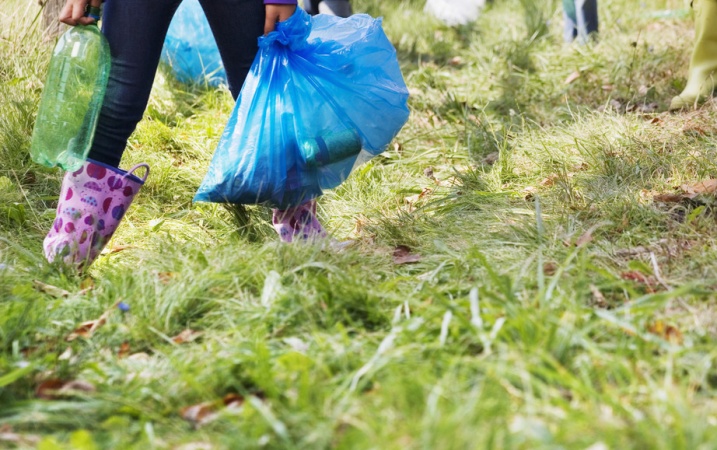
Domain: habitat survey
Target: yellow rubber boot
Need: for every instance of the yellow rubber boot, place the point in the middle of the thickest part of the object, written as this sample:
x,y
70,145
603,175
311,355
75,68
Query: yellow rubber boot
x,y
702,77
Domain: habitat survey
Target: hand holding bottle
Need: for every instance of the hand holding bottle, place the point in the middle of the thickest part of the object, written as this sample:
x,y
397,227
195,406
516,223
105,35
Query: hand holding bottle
x,y
75,12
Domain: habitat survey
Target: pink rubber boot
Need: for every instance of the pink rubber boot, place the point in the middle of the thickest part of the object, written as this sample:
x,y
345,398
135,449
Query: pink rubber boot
x,y
298,222
92,202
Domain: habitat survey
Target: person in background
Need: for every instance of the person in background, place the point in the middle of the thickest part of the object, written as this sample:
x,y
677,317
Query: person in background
x,y
703,63
341,8
94,199
581,19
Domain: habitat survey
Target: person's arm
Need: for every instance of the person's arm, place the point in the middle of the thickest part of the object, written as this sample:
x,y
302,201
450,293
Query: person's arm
x,y
277,11
73,13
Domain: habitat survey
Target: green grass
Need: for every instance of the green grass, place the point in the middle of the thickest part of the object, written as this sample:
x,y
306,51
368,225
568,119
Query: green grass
x,y
506,334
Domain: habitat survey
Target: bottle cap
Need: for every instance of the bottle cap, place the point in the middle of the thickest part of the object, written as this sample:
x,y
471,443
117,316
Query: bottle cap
x,y
94,12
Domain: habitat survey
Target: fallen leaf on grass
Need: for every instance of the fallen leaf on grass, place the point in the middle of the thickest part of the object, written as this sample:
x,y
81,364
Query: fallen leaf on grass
x,y
529,192
491,158
667,332
186,336
598,298
123,350
205,412
402,255
572,77
688,192
549,180
549,268
86,329
55,388
456,61
120,248
411,200
587,237
649,282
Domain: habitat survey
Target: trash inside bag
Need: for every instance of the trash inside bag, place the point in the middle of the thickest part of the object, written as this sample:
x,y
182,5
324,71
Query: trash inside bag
x,y
323,95
190,50
455,12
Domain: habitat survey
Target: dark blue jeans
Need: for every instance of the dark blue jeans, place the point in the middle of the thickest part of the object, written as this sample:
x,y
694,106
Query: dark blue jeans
x,y
135,30
581,19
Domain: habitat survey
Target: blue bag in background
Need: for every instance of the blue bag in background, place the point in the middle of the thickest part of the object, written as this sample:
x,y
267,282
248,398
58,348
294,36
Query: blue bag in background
x,y
190,49
323,95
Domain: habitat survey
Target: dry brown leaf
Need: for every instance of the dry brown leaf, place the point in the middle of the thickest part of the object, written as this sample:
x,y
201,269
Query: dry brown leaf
x,y
165,277
205,412
649,282
48,388
120,248
415,198
55,388
666,332
703,187
491,158
572,77
456,61
549,180
585,238
668,198
199,414
233,400
123,350
187,335
402,255
549,268
656,121
688,192
598,298
529,192
86,329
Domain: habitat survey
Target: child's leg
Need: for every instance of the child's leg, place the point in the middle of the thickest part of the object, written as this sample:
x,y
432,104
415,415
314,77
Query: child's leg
x,y
341,8
135,30
236,25
94,198
311,6
581,19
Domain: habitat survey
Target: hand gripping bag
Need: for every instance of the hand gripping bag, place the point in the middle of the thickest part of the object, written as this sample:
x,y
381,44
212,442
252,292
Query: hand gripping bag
x,y
189,48
323,95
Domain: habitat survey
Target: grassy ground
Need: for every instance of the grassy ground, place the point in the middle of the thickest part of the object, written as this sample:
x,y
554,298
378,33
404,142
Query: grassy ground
x,y
555,301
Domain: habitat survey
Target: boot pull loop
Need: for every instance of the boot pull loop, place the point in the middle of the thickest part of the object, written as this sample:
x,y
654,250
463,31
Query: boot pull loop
x,y
146,171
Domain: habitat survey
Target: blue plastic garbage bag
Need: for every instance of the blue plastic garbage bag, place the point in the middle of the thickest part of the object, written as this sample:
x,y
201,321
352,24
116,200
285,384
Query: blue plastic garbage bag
x,y
323,95
190,49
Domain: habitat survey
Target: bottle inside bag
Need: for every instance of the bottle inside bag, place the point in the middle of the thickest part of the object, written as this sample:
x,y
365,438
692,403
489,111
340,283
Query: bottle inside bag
x,y
330,148
71,99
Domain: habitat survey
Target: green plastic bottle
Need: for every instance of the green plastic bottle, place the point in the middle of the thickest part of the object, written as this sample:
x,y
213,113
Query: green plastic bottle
x,y
72,98
331,148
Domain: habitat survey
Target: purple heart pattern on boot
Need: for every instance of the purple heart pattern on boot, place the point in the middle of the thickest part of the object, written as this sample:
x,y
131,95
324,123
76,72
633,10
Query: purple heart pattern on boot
x,y
298,222
91,205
